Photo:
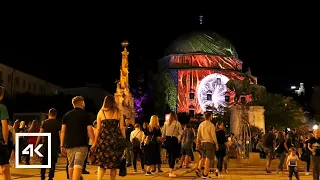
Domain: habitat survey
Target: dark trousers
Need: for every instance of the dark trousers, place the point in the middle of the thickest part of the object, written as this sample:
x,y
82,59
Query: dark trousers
x,y
138,152
308,165
293,170
316,167
67,168
10,147
27,159
86,160
220,163
44,161
173,150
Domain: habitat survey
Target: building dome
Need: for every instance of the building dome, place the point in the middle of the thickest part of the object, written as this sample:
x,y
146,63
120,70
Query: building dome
x,y
202,42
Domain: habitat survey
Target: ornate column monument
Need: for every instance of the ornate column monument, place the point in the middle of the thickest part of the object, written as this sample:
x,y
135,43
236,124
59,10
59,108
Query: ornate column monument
x,y
123,96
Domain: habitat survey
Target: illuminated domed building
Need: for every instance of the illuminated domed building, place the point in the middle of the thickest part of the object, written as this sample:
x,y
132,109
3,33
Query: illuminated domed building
x,y
199,64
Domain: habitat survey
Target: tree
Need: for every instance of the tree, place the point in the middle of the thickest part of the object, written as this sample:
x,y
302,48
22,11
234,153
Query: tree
x,y
282,112
165,92
315,103
142,96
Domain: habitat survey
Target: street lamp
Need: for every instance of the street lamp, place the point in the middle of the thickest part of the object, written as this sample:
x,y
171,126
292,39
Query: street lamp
x,y
315,127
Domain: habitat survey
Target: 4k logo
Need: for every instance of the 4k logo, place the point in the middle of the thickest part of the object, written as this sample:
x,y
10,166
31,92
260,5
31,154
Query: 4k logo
x,y
30,150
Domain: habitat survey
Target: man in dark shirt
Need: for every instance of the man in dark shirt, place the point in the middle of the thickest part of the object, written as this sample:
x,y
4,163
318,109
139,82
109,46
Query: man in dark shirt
x,y
76,127
270,144
314,147
52,126
294,137
4,135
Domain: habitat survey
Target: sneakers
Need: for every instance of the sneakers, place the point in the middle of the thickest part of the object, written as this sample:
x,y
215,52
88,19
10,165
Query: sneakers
x,y
149,173
205,176
307,173
198,173
160,171
171,175
135,171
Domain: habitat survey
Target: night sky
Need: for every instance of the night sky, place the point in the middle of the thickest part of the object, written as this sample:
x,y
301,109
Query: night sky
x,y
281,49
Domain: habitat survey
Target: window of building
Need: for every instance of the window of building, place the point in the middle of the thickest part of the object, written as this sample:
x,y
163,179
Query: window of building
x,y
191,95
243,99
17,81
191,113
9,78
42,90
209,97
24,83
227,98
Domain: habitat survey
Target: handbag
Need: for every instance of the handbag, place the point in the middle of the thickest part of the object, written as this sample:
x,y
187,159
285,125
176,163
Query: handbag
x,y
148,140
121,143
123,167
165,142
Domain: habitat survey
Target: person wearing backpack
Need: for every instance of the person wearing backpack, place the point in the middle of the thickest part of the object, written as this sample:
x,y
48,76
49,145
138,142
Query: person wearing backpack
x,y
136,137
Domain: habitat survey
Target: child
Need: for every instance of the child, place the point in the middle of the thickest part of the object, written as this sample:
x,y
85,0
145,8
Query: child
x,y
292,163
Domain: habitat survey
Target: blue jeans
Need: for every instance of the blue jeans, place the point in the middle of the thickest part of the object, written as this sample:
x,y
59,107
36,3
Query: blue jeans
x,y
281,158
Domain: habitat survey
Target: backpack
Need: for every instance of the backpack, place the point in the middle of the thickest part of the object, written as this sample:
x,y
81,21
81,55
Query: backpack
x,y
136,141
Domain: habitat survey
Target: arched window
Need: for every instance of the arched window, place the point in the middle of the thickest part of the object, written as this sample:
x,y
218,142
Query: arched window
x,y
209,95
191,94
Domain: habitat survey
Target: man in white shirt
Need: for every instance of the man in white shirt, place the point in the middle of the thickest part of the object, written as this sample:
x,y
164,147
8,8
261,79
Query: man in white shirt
x,y
207,143
136,138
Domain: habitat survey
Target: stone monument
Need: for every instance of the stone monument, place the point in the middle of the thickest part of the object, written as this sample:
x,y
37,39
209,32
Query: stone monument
x,y
245,113
123,97
243,116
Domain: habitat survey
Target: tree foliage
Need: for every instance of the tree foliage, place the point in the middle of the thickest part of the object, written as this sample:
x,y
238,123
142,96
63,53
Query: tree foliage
x,y
165,93
143,104
282,112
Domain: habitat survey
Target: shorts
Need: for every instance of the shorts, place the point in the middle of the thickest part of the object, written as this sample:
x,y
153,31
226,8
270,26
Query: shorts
x,y
76,156
4,154
208,150
270,152
186,151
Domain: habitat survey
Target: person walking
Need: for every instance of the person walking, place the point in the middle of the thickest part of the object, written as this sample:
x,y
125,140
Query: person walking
x,y
172,133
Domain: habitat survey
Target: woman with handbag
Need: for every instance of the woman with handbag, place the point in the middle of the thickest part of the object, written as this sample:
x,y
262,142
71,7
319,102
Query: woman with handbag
x,y
172,132
281,150
108,147
151,144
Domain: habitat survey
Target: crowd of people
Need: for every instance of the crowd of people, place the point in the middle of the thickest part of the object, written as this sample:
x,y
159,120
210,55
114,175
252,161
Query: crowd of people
x,y
112,142
290,147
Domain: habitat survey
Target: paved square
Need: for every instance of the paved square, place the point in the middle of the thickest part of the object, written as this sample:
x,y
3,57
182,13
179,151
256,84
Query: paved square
x,y
236,171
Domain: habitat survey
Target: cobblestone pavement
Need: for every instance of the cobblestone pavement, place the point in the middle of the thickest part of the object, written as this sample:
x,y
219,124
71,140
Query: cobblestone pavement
x,y
238,170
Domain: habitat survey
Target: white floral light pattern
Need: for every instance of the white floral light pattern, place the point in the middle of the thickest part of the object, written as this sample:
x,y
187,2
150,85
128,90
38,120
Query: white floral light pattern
x,y
213,85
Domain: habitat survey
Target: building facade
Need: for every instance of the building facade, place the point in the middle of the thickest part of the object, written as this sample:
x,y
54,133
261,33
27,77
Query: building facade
x,y
15,82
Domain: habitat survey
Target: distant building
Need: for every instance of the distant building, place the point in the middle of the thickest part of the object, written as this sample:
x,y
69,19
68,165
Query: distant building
x,y
92,91
299,90
15,82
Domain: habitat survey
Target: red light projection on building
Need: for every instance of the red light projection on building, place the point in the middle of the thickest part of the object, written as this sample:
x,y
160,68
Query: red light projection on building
x,y
205,61
188,85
